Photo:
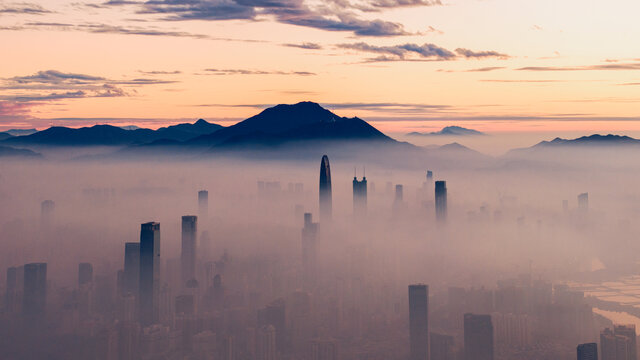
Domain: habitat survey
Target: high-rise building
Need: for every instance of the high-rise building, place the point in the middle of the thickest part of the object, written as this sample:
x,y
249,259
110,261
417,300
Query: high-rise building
x,y
419,321
441,347
11,300
189,248
429,175
274,315
619,343
266,343
583,202
149,272
34,299
478,337
309,252
629,332
587,351
47,209
441,200
203,203
325,191
131,278
324,350
85,274
399,197
359,197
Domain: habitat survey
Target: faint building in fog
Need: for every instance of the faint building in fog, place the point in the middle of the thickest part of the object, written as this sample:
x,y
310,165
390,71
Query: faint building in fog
x,y
441,200
441,347
587,351
324,350
309,252
47,210
325,191
149,272
189,248
13,289
512,330
583,202
419,322
131,276
478,337
85,274
359,197
266,343
429,176
274,315
619,343
203,203
34,298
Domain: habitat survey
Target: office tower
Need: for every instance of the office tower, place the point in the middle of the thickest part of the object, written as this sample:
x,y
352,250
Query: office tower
x,y
203,203
629,332
309,254
131,280
47,209
429,176
419,321
85,274
359,197
266,343
149,272
274,315
189,248
478,337
441,200
587,351
583,202
325,191
441,347
399,194
34,299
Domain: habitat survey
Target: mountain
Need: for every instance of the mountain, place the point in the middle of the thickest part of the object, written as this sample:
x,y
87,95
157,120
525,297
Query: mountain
x,y
107,135
449,131
21,132
7,151
595,142
282,124
5,135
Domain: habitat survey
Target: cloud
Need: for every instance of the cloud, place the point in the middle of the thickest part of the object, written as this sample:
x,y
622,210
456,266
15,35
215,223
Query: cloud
x,y
306,45
160,72
610,66
519,81
470,54
486,69
24,8
391,107
254,72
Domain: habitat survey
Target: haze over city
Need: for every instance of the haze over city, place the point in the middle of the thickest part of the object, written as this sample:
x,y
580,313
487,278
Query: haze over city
x,y
319,180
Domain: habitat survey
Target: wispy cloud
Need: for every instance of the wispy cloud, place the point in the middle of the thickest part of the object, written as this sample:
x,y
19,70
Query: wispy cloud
x,y
306,45
23,8
411,52
254,72
608,66
470,54
486,69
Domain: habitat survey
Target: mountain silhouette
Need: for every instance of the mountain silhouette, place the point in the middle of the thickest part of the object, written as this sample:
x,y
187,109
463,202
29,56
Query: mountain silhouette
x,y
107,135
8,151
281,124
449,131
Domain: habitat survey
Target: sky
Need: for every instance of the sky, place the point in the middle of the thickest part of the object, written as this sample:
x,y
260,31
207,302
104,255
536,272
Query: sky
x,y
499,66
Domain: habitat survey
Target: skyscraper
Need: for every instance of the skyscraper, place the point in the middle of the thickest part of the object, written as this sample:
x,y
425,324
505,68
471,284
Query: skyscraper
x,y
203,203
189,248
429,175
399,198
419,321
309,254
34,299
274,315
131,281
588,351
619,343
359,197
583,202
85,274
629,332
441,200
47,209
478,337
149,272
441,347
325,191
266,343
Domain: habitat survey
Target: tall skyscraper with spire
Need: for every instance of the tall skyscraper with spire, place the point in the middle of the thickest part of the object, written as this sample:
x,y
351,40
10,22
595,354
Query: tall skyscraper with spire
x,y
149,273
325,190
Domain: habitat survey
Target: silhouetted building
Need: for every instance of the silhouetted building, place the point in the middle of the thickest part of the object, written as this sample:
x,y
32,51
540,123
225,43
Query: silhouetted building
x,y
587,351
325,191
583,202
359,197
619,343
131,276
419,321
274,315
429,176
309,252
85,274
441,347
34,298
149,272
478,337
189,248
629,332
441,200
203,203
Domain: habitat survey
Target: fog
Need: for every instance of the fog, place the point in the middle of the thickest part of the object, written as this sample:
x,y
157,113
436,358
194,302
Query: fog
x,y
515,244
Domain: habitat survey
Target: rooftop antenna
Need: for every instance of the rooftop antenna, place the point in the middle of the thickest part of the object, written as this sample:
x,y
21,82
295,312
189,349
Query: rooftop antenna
x,y
364,171
355,174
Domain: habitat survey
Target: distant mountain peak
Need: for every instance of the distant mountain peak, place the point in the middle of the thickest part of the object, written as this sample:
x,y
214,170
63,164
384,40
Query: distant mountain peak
x,y
452,130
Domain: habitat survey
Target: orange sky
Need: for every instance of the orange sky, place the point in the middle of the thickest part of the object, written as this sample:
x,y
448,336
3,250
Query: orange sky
x,y
404,65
